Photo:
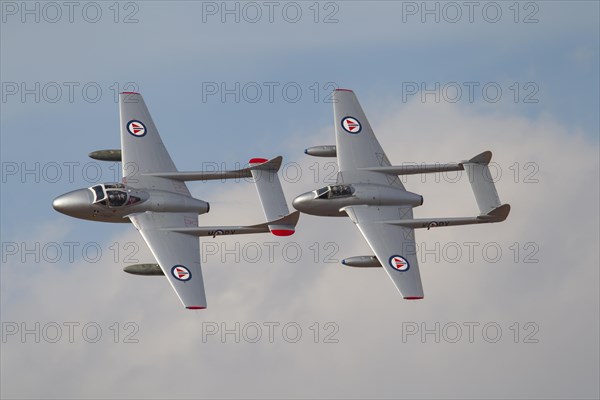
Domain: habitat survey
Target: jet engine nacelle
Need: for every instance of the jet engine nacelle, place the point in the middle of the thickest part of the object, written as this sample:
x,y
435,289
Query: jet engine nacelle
x,y
379,195
172,202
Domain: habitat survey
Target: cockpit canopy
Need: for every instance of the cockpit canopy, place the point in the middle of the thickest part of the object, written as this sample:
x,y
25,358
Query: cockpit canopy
x,y
113,195
334,191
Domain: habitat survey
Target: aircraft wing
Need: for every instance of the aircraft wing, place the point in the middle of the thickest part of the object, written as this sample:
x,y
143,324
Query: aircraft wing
x,y
177,254
393,245
142,149
356,144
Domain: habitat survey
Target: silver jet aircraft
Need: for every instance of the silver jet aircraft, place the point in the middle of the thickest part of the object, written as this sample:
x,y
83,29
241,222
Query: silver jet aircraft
x,y
154,197
369,191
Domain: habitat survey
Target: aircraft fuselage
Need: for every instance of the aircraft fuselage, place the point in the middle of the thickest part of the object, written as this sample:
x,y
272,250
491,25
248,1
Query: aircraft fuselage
x,y
330,200
113,202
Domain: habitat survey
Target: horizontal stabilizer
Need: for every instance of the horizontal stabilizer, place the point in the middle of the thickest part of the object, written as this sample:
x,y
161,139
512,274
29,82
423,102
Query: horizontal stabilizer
x,y
288,222
482,182
498,214
271,196
265,165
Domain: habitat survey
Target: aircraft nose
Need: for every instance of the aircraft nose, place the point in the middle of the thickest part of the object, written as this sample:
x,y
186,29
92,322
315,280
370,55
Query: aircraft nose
x,y
301,201
73,202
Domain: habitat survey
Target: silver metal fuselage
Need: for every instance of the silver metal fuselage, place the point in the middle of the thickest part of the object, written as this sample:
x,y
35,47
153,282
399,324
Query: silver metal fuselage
x,y
317,202
86,204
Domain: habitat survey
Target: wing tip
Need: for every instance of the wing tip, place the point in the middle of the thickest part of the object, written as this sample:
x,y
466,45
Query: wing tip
x,y
343,90
413,297
130,93
196,307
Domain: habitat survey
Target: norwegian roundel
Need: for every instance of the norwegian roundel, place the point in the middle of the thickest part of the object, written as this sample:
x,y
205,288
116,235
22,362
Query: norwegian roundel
x,y
399,263
351,125
181,273
136,128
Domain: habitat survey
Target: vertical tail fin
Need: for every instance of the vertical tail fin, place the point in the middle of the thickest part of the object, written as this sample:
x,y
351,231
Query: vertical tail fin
x,y
482,182
270,193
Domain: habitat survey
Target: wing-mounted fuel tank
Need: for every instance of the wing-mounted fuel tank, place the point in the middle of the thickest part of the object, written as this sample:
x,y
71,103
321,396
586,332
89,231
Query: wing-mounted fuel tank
x,y
144,269
322,151
106,155
362,262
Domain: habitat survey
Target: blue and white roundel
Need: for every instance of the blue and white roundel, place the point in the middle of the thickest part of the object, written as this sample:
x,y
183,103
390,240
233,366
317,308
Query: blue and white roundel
x,y
136,128
399,263
351,125
181,273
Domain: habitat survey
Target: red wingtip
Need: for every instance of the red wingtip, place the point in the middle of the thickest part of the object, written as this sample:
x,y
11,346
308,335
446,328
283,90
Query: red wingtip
x,y
195,308
257,160
283,232
343,90
129,93
413,298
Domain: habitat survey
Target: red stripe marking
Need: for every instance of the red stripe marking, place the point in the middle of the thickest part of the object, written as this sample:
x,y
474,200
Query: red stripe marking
x,y
257,160
343,90
283,232
195,308
352,125
413,298
129,93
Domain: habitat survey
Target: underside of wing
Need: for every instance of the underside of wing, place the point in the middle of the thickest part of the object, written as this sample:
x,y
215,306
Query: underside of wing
x,y
393,245
177,254
142,149
357,147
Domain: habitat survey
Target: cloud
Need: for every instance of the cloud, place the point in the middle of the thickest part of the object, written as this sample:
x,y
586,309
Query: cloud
x,y
549,176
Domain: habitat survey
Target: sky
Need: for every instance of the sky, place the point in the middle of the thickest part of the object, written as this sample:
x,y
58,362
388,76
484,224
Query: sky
x,y
510,309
